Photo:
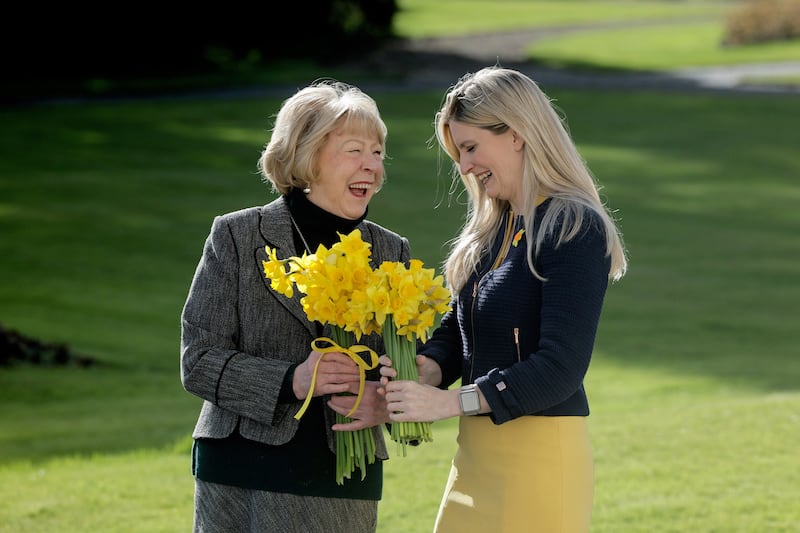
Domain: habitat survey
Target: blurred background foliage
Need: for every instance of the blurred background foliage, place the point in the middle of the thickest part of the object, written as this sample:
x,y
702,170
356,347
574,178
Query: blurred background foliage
x,y
67,49
57,47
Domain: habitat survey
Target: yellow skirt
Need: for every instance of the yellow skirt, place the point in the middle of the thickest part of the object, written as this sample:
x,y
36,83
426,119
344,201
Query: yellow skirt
x,y
534,473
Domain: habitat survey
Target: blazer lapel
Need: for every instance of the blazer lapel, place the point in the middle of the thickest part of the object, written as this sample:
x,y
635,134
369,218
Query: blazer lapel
x,y
275,226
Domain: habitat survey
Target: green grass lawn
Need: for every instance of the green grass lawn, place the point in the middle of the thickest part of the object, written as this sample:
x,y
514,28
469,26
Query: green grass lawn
x,y
695,404
662,47
694,384
422,18
615,36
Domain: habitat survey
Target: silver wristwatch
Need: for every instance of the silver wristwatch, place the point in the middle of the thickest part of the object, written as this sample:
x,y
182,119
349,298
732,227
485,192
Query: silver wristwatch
x,y
469,400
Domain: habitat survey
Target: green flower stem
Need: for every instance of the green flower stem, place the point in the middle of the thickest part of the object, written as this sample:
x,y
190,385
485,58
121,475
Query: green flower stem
x,y
353,448
403,353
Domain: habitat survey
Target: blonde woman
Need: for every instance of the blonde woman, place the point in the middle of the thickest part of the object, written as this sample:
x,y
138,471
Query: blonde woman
x,y
528,272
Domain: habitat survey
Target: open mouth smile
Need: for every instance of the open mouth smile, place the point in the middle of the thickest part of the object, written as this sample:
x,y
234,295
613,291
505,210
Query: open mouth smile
x,y
360,189
483,178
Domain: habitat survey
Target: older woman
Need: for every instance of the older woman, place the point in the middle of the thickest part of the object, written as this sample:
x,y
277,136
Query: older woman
x,y
245,349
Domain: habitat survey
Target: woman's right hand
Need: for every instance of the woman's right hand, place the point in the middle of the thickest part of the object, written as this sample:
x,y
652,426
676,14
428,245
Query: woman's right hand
x,y
429,371
336,373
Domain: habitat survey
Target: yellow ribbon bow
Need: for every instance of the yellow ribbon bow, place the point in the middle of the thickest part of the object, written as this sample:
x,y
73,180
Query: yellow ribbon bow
x,y
354,352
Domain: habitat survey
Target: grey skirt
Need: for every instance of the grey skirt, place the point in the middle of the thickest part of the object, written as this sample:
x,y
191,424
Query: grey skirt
x,y
227,509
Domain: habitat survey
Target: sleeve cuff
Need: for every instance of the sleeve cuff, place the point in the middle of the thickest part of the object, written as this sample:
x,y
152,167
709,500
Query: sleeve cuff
x,y
497,394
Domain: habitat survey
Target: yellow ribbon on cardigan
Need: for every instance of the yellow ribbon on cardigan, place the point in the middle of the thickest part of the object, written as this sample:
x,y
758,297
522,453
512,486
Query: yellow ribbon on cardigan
x,y
354,352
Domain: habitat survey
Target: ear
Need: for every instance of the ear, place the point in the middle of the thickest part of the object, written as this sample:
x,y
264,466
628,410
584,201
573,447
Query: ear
x,y
517,141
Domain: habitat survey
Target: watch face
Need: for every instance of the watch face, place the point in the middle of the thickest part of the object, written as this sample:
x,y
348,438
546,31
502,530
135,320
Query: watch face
x,y
470,401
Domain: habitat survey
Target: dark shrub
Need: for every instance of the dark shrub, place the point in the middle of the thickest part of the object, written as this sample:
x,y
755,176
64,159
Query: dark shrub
x,y
18,348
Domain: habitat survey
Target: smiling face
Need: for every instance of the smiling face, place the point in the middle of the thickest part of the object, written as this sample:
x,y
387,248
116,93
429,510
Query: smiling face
x,y
495,160
350,172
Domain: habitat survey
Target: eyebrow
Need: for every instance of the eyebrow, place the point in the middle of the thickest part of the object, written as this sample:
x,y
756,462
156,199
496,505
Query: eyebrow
x,y
359,138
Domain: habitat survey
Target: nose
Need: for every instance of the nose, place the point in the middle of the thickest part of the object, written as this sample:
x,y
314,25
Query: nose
x,y
372,161
465,166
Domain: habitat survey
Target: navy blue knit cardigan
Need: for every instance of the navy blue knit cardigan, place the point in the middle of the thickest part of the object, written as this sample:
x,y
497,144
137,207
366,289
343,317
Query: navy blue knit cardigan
x,y
527,343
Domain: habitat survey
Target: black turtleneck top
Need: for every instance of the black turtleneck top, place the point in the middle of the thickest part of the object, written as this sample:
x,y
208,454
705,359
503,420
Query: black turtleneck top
x,y
305,465
318,226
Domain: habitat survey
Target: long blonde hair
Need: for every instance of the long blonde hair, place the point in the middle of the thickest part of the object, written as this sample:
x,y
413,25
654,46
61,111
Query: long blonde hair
x,y
496,99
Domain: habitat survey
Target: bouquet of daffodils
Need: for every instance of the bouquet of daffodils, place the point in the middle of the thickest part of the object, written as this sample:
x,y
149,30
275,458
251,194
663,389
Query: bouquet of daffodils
x,y
408,298
334,283
341,289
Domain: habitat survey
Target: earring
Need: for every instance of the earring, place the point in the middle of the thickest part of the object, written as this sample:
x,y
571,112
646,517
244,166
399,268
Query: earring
x,y
307,189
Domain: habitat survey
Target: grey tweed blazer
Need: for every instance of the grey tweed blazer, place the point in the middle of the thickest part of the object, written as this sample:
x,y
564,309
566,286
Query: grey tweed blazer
x,y
239,337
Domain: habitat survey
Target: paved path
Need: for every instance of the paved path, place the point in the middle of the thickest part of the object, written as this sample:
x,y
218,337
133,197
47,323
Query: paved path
x,y
438,62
